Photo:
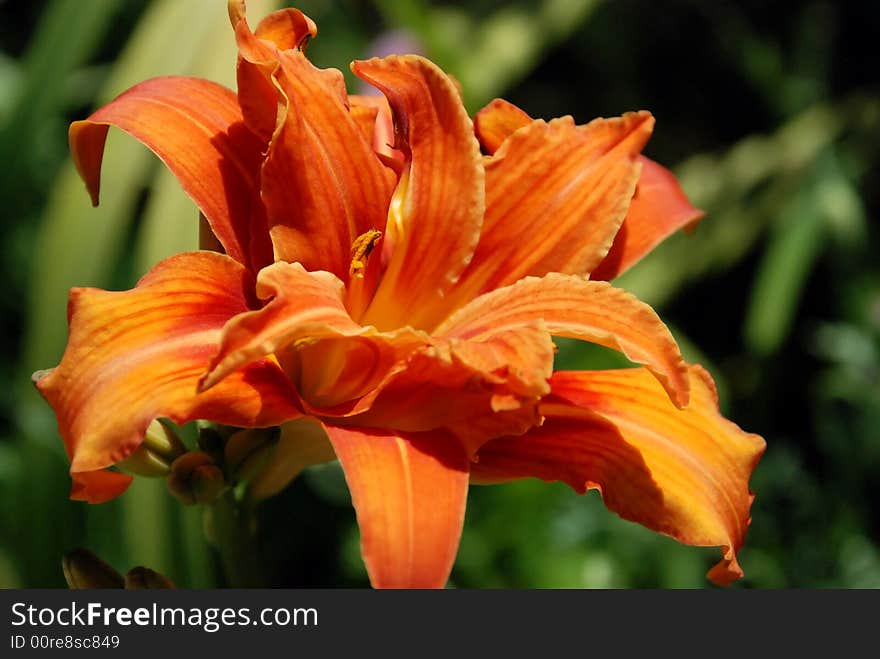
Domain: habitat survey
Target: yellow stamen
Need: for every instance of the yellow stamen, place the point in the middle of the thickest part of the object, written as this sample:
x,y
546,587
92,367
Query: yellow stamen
x,y
360,251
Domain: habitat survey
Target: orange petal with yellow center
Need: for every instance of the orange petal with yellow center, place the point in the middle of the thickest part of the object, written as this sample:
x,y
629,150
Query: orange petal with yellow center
x,y
659,209
98,486
683,473
409,492
306,312
556,195
587,310
137,355
322,183
498,121
437,209
195,127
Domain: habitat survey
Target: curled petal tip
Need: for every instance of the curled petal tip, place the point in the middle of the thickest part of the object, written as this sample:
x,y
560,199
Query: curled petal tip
x,y
237,10
288,29
727,570
36,376
87,149
98,486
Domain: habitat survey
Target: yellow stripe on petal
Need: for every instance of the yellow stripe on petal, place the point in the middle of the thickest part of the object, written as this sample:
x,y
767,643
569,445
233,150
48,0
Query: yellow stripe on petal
x,y
409,492
587,310
683,473
437,209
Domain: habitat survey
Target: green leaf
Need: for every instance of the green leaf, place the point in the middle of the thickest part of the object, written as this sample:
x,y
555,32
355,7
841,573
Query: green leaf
x,y
68,34
793,246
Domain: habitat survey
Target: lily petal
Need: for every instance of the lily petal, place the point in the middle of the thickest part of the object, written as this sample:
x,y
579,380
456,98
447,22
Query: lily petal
x,y
437,209
195,127
336,358
137,355
287,28
284,29
556,195
322,183
496,122
409,492
683,473
478,389
98,486
587,310
659,209
301,303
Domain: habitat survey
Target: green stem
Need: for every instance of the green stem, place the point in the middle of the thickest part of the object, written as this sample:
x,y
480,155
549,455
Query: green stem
x,y
234,537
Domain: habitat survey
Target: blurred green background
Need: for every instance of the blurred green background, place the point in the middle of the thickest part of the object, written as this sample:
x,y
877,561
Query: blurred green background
x,y
768,112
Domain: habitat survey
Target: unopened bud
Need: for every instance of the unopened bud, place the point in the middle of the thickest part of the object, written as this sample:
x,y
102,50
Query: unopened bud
x,y
163,440
153,458
143,462
143,578
196,478
212,438
83,570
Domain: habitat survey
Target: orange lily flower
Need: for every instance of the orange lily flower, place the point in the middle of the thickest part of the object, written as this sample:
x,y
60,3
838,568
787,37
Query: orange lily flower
x,y
396,302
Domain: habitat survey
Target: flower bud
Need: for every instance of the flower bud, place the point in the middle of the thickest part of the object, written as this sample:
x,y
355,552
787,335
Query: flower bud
x,y
163,440
83,570
212,438
143,578
196,478
161,446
